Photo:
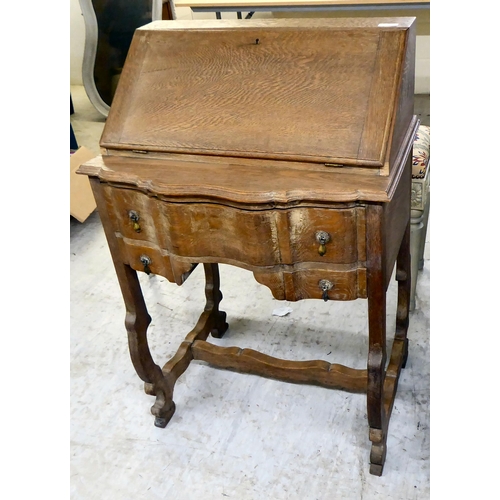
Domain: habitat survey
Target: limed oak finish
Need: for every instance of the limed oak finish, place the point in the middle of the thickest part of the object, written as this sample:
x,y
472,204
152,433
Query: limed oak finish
x,y
279,146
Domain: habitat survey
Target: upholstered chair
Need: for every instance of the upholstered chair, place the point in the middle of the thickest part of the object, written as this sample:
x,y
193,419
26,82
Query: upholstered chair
x,y
420,202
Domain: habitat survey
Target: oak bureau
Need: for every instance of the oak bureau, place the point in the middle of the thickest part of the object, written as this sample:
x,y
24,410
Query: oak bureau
x,y
282,147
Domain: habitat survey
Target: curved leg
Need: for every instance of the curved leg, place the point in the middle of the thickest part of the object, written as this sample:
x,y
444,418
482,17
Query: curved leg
x,y
399,356
377,355
137,320
212,320
382,382
214,296
376,339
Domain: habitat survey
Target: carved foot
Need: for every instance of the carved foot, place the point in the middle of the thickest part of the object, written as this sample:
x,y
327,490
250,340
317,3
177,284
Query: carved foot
x,y
376,470
164,419
164,407
378,451
220,326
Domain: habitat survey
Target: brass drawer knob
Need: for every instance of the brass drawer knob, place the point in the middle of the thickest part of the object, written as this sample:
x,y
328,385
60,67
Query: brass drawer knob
x,y
322,237
146,262
134,217
325,285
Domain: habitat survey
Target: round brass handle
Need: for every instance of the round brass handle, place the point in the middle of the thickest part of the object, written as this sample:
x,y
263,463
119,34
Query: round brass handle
x,y
325,285
134,217
322,237
146,262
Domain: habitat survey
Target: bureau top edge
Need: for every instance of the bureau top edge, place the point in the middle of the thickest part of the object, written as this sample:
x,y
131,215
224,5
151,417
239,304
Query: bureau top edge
x,y
230,183
323,23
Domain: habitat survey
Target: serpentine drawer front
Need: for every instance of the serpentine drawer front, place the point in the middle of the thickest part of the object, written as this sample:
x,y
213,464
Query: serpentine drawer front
x,y
279,146
295,247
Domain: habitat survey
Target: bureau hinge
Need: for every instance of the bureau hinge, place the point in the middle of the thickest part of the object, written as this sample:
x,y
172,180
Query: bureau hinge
x,y
334,165
141,151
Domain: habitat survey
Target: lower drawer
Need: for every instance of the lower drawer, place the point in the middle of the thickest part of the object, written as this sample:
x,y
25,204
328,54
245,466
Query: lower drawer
x,y
314,283
304,281
145,257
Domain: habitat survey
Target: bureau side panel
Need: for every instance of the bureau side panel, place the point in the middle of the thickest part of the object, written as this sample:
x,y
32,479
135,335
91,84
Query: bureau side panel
x,y
405,102
396,218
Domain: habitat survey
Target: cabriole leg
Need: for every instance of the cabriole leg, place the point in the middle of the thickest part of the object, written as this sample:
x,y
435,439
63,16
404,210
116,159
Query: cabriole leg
x,y
377,354
214,296
137,320
212,320
383,382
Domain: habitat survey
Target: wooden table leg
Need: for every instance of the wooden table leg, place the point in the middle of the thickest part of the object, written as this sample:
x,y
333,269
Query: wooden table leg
x,y
382,382
377,353
160,382
137,320
213,321
214,296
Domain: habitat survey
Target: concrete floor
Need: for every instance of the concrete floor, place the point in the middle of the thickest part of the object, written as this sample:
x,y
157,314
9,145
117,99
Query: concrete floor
x,y
233,435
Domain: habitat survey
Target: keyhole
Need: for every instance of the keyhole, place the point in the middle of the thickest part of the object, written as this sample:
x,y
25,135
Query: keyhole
x,y
257,41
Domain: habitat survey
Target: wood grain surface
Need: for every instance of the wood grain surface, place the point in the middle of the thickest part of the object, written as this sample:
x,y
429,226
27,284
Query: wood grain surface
x,y
281,147
317,92
316,372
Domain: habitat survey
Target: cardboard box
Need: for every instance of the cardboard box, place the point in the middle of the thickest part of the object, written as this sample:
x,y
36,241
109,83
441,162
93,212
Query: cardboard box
x,y
82,202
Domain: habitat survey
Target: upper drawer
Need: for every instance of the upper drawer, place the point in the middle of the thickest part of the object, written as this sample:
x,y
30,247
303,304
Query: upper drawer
x,y
201,231
324,235
208,232
217,231
132,212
